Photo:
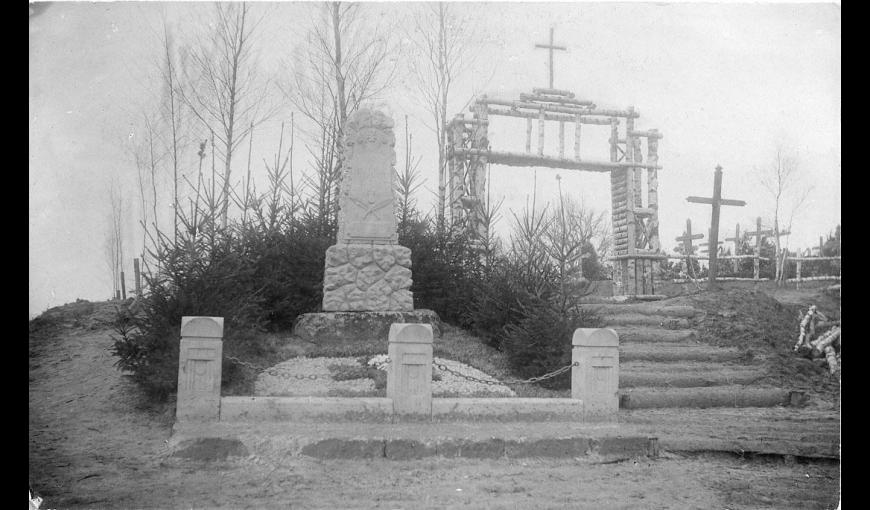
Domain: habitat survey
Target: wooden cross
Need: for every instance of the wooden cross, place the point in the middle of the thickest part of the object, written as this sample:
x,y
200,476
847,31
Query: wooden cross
x,y
687,237
551,47
710,236
717,201
758,235
736,239
737,243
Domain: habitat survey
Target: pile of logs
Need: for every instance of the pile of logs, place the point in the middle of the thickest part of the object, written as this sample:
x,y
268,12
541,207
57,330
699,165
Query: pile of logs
x,y
819,338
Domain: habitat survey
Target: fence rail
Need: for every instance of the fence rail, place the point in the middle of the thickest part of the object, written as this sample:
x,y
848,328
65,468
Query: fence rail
x,y
798,261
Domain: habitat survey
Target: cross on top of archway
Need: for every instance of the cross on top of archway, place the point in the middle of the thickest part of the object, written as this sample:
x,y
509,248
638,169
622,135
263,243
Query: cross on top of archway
x,y
550,47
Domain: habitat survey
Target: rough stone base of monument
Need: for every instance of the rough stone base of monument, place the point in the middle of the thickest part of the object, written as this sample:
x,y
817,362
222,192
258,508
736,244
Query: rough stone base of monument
x,y
329,327
364,277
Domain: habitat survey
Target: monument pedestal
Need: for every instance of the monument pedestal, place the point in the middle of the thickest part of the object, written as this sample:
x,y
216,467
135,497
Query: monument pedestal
x,y
326,327
367,277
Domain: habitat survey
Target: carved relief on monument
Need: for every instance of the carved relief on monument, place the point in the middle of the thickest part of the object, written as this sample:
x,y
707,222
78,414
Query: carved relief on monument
x,y
366,204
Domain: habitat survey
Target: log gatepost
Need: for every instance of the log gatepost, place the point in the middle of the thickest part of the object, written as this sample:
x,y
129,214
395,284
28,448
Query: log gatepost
x,y
199,369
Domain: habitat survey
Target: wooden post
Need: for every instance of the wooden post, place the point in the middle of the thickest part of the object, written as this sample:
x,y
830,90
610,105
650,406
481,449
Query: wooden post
x,y
614,139
138,277
779,258
478,171
118,295
528,135
798,270
653,188
457,175
541,133
561,140
577,125
756,262
123,287
618,195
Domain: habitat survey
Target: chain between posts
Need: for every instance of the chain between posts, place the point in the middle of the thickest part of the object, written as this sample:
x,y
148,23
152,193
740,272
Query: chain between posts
x,y
278,373
444,368
491,382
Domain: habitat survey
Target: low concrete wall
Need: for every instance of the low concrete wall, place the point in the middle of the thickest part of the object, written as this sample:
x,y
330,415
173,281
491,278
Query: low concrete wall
x,y
306,408
595,380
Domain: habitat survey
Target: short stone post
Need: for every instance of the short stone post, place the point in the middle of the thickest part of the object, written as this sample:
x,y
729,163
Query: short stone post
x,y
199,369
409,377
596,380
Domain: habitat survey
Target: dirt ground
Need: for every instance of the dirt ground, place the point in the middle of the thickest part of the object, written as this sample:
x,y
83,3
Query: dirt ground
x,y
94,444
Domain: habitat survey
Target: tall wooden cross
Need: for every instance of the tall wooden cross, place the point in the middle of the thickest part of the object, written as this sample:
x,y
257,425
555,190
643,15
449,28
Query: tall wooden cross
x,y
687,237
717,201
551,47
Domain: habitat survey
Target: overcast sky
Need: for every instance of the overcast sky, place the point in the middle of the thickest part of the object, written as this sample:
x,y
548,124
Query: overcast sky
x,y
724,84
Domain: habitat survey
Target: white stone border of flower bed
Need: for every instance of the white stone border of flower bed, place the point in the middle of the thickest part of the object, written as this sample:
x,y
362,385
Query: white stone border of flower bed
x,y
594,384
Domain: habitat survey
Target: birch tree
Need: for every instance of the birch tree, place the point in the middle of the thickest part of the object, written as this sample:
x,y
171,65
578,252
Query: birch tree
x,y
782,181
442,42
173,116
114,242
223,88
345,61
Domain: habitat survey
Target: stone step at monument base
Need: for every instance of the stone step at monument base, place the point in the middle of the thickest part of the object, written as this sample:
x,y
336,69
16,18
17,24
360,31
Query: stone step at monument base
x,y
635,334
326,327
677,351
706,397
475,440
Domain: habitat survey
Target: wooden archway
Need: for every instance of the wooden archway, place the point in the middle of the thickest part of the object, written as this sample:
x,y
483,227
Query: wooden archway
x,y
637,250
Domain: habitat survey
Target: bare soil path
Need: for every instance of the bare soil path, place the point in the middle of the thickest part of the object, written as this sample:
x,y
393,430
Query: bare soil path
x,y
94,445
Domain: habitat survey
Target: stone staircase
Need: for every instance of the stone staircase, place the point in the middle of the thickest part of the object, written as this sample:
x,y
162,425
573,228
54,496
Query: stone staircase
x,y
662,365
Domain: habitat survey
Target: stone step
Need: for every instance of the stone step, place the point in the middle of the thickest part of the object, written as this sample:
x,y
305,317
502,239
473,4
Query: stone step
x,y
788,430
713,396
686,374
651,308
633,334
413,440
639,319
677,351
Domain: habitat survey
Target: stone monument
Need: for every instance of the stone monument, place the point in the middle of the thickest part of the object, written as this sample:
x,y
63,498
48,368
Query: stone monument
x,y
367,269
367,278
